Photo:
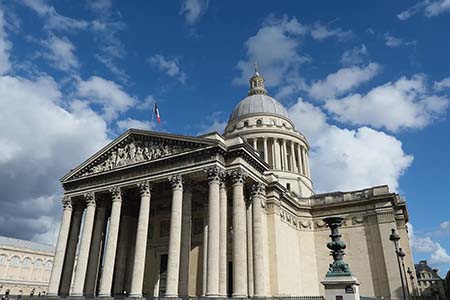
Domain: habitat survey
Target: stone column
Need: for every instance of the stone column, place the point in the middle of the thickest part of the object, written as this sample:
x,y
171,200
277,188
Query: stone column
x,y
141,241
223,240
58,261
305,163
95,251
69,260
293,160
212,286
183,288
260,246
249,249
205,255
120,266
83,254
173,261
300,159
111,246
277,160
307,169
266,153
285,160
240,289
255,143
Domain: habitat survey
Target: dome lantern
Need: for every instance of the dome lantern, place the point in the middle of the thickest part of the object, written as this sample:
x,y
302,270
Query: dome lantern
x,y
257,83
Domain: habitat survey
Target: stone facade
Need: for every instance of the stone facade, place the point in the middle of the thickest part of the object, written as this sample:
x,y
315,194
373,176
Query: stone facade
x,y
218,215
25,267
430,284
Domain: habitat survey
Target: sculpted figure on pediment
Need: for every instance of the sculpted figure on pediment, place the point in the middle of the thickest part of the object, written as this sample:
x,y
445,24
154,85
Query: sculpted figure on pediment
x,y
134,152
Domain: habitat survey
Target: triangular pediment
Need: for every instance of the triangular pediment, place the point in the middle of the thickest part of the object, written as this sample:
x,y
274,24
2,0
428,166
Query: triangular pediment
x,y
136,147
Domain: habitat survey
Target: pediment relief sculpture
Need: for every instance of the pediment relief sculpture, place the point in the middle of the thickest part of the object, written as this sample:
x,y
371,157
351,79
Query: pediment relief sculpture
x,y
133,152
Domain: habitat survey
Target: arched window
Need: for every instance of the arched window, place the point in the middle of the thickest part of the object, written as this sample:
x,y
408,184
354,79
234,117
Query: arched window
x,y
259,122
2,260
288,186
26,263
48,265
246,124
15,261
38,264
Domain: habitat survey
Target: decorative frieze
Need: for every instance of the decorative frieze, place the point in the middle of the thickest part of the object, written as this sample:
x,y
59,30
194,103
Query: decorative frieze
x,y
134,152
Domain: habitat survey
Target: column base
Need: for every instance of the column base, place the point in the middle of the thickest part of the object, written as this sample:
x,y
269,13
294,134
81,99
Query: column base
x,y
76,297
239,296
134,297
105,297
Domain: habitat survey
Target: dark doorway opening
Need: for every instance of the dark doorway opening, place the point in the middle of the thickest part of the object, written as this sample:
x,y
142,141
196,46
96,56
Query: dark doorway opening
x,y
163,275
230,279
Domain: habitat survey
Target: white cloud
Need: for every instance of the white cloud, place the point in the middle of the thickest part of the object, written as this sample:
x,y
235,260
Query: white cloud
x,y
5,46
275,48
443,84
214,123
44,141
355,56
321,32
342,81
106,93
343,159
430,8
133,123
445,225
53,20
170,66
392,41
193,10
424,244
60,52
405,103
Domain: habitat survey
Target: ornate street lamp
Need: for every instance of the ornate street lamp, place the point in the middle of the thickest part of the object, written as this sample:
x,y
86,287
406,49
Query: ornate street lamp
x,y
402,255
394,237
411,278
338,267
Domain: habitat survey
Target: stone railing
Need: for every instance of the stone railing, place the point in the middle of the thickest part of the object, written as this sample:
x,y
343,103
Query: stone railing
x,y
338,197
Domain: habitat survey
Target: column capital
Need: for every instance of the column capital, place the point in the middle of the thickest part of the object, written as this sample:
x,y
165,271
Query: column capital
x,y
67,202
116,193
237,176
258,189
176,181
214,173
144,188
89,197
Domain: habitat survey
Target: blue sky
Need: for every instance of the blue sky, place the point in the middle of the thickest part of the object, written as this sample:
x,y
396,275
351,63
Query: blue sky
x,y
368,83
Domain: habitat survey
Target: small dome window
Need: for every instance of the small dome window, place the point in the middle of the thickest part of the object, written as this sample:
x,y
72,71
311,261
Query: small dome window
x,y
273,123
259,122
246,124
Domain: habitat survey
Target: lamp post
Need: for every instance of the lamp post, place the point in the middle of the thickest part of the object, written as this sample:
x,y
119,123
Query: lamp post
x,y
402,255
394,237
411,278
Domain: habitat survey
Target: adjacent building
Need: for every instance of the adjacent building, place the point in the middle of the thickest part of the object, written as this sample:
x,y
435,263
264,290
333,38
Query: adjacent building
x,y
232,214
25,267
430,284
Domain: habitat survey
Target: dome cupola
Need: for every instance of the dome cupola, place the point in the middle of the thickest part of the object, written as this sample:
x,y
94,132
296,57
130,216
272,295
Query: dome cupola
x,y
264,123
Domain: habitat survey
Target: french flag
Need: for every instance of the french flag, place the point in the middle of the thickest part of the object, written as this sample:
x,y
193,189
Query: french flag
x,y
156,111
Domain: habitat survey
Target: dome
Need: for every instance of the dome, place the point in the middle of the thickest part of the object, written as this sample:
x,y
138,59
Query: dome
x,y
258,103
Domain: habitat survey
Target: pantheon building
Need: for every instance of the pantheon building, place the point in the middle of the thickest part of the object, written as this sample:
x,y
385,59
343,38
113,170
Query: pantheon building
x,y
219,215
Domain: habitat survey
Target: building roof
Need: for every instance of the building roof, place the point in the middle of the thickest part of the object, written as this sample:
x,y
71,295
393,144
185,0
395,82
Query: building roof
x,y
258,103
423,266
24,244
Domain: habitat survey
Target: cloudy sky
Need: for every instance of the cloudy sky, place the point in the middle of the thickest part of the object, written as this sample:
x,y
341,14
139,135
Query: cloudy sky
x,y
367,83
